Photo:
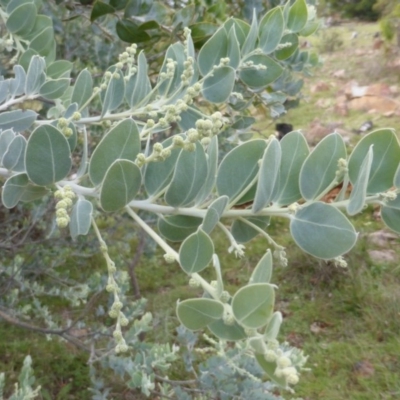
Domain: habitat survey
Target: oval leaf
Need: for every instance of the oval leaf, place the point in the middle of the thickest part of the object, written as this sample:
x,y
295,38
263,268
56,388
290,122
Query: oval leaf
x,y
213,50
252,305
390,213
121,142
196,252
227,332
18,188
273,327
54,89
268,176
271,30
81,218
385,161
83,88
243,233
120,185
294,152
259,71
218,86
47,157
18,120
233,176
298,16
115,93
322,231
188,179
14,157
319,169
198,313
263,271
359,191
177,227
214,213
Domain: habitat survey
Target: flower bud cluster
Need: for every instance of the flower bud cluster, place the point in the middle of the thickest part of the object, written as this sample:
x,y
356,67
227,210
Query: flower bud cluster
x,y
188,71
250,64
7,44
171,65
340,262
65,197
388,196
280,255
191,93
342,168
62,125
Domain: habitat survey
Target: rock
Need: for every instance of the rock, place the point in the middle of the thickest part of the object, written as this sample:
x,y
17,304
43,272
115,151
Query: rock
x,y
340,74
320,87
379,104
382,238
383,256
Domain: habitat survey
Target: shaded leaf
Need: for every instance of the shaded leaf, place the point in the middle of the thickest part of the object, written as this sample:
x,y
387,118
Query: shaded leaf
x,y
258,71
233,176
35,76
81,218
13,158
359,191
390,214
198,313
212,51
22,19
18,188
115,93
268,176
138,86
177,227
188,179
120,185
18,120
214,213
273,327
100,9
54,89
290,42
294,152
271,30
83,88
227,332
47,157
218,86
130,32
121,142
243,233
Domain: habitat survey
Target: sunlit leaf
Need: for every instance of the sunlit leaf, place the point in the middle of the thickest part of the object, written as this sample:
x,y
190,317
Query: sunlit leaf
x,y
322,231
218,87
263,271
271,30
177,227
13,158
252,305
196,252
319,169
386,159
18,120
214,213
198,313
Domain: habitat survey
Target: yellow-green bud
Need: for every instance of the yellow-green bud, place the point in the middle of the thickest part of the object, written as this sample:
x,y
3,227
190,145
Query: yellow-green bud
x,y
76,116
61,213
62,222
178,141
158,148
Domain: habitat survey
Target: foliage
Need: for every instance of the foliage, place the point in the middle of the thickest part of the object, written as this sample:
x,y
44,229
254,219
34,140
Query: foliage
x,y
156,150
23,389
390,21
363,9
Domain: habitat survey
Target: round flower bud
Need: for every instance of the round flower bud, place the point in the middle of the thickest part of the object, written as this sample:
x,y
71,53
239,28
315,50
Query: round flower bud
x,y
67,132
270,356
61,213
61,204
228,319
62,222
117,305
165,153
113,313
117,335
193,135
225,296
214,284
194,283
110,288
124,321
123,348
178,141
103,86
205,141
292,379
76,116
190,147
283,362
67,201
169,258
158,148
